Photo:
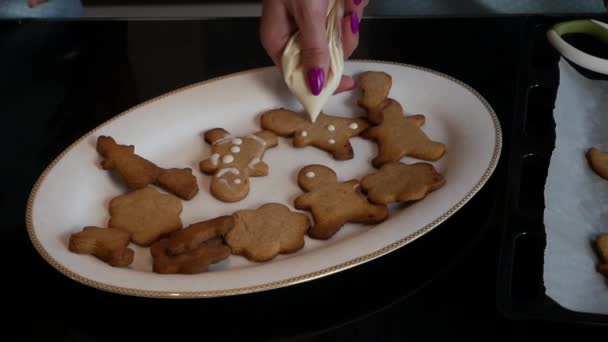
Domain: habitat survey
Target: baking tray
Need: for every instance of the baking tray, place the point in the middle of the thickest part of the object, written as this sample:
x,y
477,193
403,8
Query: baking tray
x,y
520,286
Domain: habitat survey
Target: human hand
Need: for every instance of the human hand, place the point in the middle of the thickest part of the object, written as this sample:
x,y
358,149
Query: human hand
x,y
281,18
34,3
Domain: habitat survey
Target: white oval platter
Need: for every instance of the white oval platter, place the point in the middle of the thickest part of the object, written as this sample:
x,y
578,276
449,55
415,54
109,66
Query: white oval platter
x,y
74,191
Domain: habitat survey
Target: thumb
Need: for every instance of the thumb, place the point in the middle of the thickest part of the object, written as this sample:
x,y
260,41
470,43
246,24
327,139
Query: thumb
x,y
313,43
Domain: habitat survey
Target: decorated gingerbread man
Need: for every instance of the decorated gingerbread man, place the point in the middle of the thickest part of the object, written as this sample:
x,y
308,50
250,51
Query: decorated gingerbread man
x,y
233,160
329,133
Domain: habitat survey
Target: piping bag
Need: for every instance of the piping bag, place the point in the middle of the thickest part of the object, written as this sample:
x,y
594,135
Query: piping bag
x,y
293,70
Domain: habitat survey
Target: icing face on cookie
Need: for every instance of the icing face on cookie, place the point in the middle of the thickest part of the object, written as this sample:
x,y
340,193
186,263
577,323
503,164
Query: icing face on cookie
x,y
232,170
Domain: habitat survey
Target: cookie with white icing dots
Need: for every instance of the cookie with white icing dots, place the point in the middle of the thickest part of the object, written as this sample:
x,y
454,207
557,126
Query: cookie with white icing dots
x,y
233,160
329,133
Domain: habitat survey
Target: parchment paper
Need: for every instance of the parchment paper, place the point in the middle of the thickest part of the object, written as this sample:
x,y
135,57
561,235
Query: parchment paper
x,y
576,198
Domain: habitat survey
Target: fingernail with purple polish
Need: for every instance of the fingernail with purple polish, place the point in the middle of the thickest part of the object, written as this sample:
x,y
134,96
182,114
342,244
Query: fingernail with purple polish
x,y
357,2
354,22
316,78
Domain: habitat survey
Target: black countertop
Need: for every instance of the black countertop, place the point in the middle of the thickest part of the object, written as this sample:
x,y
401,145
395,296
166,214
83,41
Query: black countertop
x,y
61,79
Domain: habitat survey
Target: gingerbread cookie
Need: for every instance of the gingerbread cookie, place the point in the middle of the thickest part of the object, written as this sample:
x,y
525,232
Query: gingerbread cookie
x,y
334,204
399,136
233,160
192,261
190,237
107,244
138,172
601,245
262,234
146,214
329,133
375,86
398,182
598,161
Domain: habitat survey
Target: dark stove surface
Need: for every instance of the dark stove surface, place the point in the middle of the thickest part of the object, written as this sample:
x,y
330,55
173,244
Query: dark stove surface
x,y
61,79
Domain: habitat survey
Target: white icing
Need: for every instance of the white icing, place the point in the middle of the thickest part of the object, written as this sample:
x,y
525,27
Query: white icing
x,y
237,141
222,139
223,181
235,149
353,125
310,174
253,162
304,134
232,170
331,128
332,141
227,159
295,73
214,159
258,139
237,181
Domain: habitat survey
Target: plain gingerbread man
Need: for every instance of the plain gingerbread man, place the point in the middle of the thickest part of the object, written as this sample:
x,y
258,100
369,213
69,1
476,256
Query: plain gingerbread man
x,y
399,136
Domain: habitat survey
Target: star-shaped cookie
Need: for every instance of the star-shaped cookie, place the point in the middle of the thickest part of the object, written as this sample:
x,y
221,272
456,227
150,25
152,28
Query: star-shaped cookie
x,y
262,234
329,133
146,214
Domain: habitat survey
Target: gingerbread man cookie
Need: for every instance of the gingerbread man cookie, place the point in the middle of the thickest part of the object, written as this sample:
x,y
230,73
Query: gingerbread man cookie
x,y
138,172
375,86
334,204
329,133
262,234
399,136
233,160
398,182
